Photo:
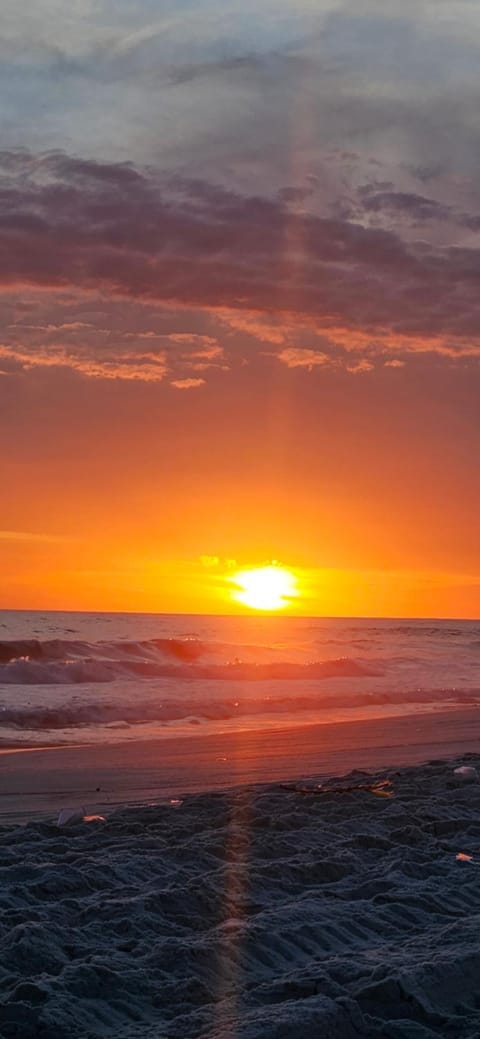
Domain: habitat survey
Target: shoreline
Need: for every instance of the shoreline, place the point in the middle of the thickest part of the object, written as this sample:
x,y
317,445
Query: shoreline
x,y
38,781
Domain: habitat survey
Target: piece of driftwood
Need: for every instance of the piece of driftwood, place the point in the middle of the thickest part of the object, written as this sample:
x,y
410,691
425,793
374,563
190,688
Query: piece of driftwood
x,y
381,788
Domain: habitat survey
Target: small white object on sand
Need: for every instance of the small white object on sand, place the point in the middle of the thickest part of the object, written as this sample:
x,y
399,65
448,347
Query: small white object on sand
x,y
466,773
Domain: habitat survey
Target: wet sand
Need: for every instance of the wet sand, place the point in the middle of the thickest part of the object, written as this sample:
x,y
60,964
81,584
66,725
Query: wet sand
x,y
42,780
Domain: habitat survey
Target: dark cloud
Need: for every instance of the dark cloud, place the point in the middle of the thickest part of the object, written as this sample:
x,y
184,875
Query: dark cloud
x,y
247,64
68,222
297,194
416,207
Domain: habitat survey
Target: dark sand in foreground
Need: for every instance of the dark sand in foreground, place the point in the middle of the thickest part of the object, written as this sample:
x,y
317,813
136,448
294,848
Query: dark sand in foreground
x,y
257,913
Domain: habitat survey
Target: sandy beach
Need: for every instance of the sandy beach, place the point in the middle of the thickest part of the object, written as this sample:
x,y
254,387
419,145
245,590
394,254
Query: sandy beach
x,y
292,903
267,911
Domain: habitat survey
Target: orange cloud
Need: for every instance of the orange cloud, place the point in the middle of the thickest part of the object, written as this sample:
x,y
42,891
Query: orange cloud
x,y
133,367
187,384
253,325
297,357
360,367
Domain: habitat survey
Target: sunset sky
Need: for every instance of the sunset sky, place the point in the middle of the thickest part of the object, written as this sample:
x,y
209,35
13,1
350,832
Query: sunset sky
x,y
240,303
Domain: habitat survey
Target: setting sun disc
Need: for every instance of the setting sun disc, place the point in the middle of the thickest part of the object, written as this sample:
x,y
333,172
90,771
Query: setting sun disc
x,y
265,588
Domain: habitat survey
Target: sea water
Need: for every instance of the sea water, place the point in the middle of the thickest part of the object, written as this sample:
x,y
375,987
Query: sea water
x,y
73,678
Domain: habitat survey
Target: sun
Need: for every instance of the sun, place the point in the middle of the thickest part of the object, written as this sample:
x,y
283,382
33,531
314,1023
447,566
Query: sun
x,y
265,587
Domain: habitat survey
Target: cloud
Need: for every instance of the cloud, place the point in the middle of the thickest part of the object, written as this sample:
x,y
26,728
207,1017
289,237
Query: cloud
x,y
301,357
210,560
204,345
297,357
24,535
68,326
416,207
187,384
258,91
132,367
68,223
94,351
254,325
360,367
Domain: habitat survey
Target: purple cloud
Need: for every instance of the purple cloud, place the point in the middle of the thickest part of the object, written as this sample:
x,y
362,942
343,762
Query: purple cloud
x,y
84,225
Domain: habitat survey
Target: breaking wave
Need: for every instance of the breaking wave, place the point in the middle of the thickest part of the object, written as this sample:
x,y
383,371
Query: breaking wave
x,y
185,649
64,662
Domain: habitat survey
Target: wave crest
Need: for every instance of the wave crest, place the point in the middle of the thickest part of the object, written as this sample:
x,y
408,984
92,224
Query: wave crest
x,y
151,660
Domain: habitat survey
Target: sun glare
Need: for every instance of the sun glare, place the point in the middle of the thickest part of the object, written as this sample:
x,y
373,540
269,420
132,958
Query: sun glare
x,y
265,587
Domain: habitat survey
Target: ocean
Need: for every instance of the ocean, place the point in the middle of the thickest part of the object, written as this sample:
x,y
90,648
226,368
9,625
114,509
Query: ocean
x,y
73,678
